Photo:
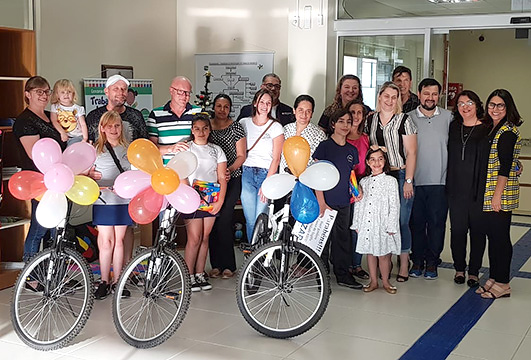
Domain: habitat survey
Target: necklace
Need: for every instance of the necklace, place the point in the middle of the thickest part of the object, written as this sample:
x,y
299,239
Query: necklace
x,y
464,141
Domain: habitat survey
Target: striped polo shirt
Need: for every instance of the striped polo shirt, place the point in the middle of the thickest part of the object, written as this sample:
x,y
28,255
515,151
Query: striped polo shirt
x,y
170,128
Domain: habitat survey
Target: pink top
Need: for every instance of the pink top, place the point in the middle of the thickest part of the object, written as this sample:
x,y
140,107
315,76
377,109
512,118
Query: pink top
x,y
362,144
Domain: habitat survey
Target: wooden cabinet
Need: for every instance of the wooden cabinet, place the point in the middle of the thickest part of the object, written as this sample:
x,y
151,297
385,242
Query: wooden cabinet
x,y
16,65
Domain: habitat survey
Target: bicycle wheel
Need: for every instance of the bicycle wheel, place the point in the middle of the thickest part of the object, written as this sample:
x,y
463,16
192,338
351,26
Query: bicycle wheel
x,y
287,308
160,296
52,299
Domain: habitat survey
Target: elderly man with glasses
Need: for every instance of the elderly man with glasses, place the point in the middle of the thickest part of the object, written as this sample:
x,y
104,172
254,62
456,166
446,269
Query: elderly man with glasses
x,y
280,111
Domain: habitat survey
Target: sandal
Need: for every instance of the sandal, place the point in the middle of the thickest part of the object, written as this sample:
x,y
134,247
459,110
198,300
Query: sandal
x,y
459,278
486,287
473,281
496,292
360,273
400,278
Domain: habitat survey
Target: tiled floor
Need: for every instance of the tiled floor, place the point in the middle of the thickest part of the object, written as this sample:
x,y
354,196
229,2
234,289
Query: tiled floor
x,y
355,326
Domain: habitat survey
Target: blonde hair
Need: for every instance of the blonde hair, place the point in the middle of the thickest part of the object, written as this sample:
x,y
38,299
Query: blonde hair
x,y
390,85
110,117
62,84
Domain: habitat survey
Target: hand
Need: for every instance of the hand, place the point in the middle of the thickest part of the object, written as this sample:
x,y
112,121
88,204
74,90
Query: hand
x,y
94,174
227,174
322,208
408,191
496,202
178,147
64,137
359,197
216,207
262,197
520,168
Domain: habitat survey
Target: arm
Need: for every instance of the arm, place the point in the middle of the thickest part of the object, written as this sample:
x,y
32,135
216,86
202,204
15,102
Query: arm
x,y
216,207
241,154
322,203
59,128
27,142
83,125
506,145
393,223
410,148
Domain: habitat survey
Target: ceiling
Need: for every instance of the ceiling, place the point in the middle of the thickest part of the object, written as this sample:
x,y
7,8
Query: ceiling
x,y
366,9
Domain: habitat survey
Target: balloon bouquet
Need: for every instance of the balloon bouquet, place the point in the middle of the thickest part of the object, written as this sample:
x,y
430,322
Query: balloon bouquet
x,y
321,175
154,185
60,178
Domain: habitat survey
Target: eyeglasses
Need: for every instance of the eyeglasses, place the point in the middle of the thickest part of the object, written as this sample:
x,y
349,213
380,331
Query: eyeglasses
x,y
181,92
41,92
469,103
500,106
271,86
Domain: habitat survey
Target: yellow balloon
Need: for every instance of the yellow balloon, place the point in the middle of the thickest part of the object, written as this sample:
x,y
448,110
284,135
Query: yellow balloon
x,y
296,151
144,155
165,181
84,191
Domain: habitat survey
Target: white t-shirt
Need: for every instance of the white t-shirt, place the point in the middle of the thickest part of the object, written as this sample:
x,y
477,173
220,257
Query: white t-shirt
x,y
208,158
68,118
109,172
262,153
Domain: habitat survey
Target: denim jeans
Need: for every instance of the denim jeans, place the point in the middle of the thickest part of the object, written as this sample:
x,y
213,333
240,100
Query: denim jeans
x,y
405,211
252,179
356,257
36,233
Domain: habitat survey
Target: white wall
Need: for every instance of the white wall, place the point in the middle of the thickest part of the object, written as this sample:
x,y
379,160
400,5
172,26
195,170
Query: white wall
x,y
76,37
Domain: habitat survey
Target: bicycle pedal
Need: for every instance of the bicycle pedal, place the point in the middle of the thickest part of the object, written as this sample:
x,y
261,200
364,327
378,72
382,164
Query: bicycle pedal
x,y
172,295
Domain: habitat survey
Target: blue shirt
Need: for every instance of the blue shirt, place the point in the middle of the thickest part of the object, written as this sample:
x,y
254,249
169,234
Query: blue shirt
x,y
344,157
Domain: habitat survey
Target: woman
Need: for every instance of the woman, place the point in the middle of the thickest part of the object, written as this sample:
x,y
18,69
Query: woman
x,y
265,138
303,107
348,88
31,125
390,128
466,142
230,136
501,189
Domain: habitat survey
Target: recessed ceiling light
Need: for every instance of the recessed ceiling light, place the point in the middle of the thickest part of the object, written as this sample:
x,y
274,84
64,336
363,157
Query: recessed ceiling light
x,y
451,1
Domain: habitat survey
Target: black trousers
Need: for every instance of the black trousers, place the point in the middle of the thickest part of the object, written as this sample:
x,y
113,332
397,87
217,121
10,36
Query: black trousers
x,y
466,217
498,226
221,241
340,243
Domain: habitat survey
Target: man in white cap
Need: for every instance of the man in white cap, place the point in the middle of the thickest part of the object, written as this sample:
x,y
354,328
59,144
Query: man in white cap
x,y
116,92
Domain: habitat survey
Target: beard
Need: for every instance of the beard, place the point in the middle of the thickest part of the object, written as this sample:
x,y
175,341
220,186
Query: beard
x,y
428,108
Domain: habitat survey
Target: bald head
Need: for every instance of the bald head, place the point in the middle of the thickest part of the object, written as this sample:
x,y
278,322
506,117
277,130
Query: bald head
x,y
180,90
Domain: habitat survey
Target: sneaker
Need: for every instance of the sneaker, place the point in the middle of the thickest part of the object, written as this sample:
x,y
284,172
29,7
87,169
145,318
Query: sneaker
x,y
202,282
103,291
416,271
350,282
431,273
125,292
195,285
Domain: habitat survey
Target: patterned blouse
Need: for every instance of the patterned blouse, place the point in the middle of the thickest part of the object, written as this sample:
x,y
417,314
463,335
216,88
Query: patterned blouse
x,y
312,133
227,139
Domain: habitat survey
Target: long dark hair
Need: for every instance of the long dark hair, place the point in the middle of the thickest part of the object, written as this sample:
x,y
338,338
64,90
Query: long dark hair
x,y
361,126
304,97
480,112
511,113
338,102
372,150
202,117
257,96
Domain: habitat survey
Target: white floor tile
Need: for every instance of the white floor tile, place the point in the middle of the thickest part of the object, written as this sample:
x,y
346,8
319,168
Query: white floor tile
x,y
524,350
488,345
216,352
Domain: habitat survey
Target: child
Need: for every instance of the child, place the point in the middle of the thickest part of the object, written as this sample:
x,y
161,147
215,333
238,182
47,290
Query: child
x,y
67,117
110,212
212,165
377,218
344,156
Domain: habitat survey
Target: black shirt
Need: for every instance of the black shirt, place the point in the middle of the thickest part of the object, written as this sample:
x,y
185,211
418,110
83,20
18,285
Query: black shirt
x,y
134,123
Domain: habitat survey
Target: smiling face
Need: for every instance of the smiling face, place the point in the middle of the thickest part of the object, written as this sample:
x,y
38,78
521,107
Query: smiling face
x,y
497,109
466,107
38,97
429,97
116,93
350,90
343,125
263,104
303,113
201,131
388,100
222,109
376,162
356,111
180,92
272,84
403,81
112,130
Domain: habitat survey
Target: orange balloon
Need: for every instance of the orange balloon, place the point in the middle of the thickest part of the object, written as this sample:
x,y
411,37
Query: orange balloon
x,y
165,181
296,151
144,155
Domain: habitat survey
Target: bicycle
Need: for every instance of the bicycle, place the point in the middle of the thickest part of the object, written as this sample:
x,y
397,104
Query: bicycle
x,y
283,287
160,290
53,297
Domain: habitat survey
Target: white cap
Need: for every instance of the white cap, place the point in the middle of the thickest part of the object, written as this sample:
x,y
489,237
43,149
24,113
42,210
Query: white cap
x,y
114,79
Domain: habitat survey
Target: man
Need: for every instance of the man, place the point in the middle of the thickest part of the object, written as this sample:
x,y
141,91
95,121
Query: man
x,y
280,111
170,124
428,216
116,92
402,78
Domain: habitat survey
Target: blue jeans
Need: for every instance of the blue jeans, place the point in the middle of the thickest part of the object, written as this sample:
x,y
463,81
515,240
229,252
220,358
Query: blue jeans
x,y
252,179
356,257
405,211
36,233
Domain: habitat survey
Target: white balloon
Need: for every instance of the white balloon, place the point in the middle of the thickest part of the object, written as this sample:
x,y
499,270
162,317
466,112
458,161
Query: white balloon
x,y
184,163
51,209
278,185
321,175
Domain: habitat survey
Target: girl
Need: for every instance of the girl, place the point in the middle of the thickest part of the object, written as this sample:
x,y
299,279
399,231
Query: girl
x,y
110,212
68,117
212,168
344,156
377,219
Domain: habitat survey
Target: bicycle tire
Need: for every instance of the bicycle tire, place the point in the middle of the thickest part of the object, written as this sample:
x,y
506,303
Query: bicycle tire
x,y
261,231
156,306
294,308
48,314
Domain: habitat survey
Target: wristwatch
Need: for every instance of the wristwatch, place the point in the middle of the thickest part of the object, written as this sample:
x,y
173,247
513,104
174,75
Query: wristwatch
x,y
409,181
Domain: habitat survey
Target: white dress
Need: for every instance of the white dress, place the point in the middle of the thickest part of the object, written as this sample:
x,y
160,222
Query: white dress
x,y
377,215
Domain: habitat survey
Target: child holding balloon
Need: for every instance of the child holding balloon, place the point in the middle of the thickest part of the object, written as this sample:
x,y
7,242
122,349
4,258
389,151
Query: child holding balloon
x,y
212,165
110,212
377,218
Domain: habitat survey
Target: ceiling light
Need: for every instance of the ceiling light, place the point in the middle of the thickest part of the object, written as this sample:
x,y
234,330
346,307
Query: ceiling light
x,y
451,1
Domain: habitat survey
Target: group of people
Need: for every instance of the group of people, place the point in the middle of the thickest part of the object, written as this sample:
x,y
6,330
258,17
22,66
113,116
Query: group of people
x,y
413,160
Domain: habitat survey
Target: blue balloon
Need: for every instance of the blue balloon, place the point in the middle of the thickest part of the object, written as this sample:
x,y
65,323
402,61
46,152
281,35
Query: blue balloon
x,y
304,206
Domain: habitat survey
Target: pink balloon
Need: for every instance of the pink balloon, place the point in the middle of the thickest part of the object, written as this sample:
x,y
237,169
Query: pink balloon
x,y
45,153
164,204
145,206
79,157
59,178
130,183
185,199
26,185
